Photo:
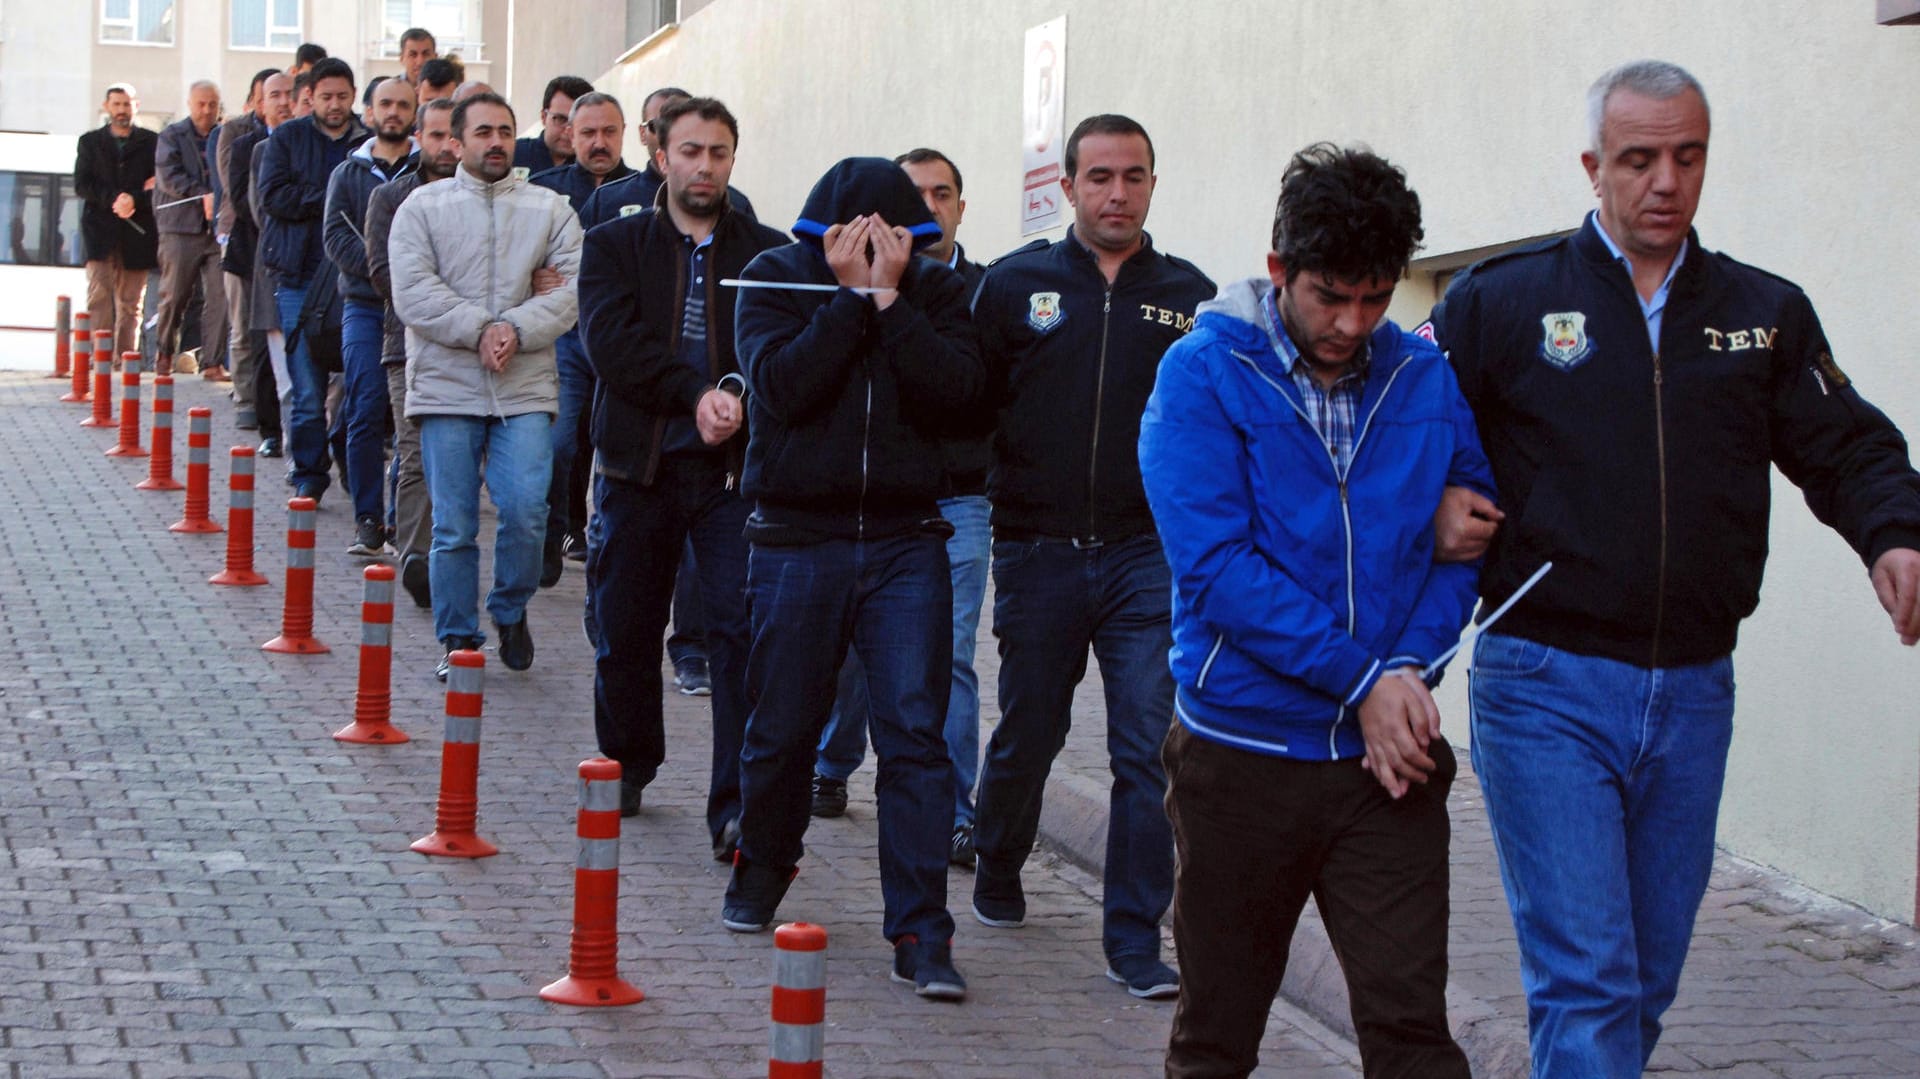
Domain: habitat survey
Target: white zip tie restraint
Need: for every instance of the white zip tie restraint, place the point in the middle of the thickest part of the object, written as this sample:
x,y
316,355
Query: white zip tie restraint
x,y
1491,619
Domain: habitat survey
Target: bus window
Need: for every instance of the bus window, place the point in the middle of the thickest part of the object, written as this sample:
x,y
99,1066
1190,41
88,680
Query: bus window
x,y
73,251
42,217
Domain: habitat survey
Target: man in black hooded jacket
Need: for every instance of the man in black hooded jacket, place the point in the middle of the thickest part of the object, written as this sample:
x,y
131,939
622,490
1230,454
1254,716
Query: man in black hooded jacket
x,y
849,391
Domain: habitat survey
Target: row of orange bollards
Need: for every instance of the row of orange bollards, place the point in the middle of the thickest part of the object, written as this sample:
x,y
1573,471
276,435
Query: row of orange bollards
x,y
799,991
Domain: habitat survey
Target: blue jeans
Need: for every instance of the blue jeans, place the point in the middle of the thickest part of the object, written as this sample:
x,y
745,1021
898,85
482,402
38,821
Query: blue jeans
x,y
513,455
305,424
844,744
631,567
1602,782
576,397
364,401
888,598
1051,600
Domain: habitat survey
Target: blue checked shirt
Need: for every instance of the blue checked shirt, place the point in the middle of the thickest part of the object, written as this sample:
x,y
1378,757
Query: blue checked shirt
x,y
1334,410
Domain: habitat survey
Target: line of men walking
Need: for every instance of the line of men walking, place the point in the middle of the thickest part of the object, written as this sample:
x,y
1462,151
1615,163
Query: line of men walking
x,y
1265,509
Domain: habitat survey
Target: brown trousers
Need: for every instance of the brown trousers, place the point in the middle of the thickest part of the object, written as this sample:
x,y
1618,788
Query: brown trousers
x,y
1253,837
183,258
412,505
113,301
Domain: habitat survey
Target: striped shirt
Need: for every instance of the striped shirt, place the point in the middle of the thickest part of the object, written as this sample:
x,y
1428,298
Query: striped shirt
x,y
1334,411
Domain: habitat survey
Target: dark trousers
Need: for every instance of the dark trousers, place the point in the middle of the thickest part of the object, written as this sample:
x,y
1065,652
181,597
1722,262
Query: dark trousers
x,y
891,600
266,389
1254,836
187,259
631,566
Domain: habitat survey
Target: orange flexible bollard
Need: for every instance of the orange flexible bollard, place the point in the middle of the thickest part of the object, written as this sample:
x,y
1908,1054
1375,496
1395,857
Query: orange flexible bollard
x,y
593,975
62,326
239,569
199,452
373,700
799,1002
296,618
160,464
82,358
129,444
102,394
453,835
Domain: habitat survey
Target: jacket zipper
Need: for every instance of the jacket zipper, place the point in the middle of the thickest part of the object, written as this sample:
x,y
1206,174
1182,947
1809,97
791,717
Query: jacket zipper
x,y
1660,453
493,309
1099,395
713,350
1340,477
866,439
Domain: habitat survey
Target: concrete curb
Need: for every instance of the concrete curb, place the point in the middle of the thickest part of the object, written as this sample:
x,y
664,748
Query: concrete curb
x,y
1073,822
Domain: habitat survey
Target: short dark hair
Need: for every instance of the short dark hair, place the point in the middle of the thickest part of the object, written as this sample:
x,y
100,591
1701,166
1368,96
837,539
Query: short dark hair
x,y
706,108
1107,123
595,97
438,104
459,122
331,67
441,71
302,81
1347,213
925,156
259,77
571,85
309,53
664,91
417,33
366,98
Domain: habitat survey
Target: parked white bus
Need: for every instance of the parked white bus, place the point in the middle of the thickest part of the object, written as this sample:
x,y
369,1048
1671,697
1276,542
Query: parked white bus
x,y
42,258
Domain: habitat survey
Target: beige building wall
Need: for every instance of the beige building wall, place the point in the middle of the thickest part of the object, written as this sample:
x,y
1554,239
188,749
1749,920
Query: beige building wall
x,y
1812,177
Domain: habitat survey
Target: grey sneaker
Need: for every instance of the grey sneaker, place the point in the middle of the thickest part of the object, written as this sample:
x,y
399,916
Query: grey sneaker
x,y
369,539
1145,976
928,967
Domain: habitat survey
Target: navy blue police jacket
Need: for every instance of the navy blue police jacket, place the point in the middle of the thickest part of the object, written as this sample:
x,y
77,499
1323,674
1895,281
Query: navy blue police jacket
x,y
1642,473
1071,362
848,403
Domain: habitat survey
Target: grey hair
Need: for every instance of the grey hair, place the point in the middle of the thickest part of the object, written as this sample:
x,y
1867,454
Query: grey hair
x,y
1656,79
595,97
203,84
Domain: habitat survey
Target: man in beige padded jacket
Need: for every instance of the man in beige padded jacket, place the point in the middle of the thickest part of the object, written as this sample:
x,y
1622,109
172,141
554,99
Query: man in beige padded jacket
x,y
481,380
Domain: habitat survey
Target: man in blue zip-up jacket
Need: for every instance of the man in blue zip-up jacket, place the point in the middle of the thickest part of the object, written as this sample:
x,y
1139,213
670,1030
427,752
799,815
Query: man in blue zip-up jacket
x,y
1294,452
1073,332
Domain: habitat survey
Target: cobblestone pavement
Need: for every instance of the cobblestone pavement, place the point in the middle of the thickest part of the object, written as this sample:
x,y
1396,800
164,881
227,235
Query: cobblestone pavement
x,y
195,880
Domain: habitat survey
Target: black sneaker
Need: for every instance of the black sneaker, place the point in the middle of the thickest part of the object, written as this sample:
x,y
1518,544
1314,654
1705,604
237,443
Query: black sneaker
x,y
691,676
829,797
961,853
269,447
753,895
551,563
369,539
310,490
415,579
928,967
630,797
998,900
452,645
1145,976
516,644
728,841
574,547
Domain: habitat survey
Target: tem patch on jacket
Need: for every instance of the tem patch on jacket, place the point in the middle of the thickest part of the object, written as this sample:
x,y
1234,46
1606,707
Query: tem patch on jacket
x,y
1043,311
1565,344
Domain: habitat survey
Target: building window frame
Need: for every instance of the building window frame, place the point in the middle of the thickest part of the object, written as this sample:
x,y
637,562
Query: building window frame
x,y
467,40
288,35
129,24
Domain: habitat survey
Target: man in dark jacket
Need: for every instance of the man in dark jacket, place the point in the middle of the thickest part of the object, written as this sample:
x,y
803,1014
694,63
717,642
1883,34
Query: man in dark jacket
x,y
387,155
667,428
850,389
412,508
113,175
964,506
597,127
259,394
295,165
245,345
183,195
639,190
1073,332
1632,388
1294,451
553,146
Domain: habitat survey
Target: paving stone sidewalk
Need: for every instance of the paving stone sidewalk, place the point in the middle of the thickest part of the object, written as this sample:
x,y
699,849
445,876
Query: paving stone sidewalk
x,y
195,880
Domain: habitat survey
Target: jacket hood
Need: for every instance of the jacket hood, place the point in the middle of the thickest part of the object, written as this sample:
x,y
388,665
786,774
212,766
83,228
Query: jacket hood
x,y
865,185
1235,311
364,151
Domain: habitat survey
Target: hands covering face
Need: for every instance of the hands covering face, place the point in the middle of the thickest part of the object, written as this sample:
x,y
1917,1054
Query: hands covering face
x,y
866,252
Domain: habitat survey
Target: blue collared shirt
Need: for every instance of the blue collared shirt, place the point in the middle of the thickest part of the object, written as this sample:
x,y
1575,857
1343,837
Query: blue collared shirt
x,y
1654,307
1334,409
